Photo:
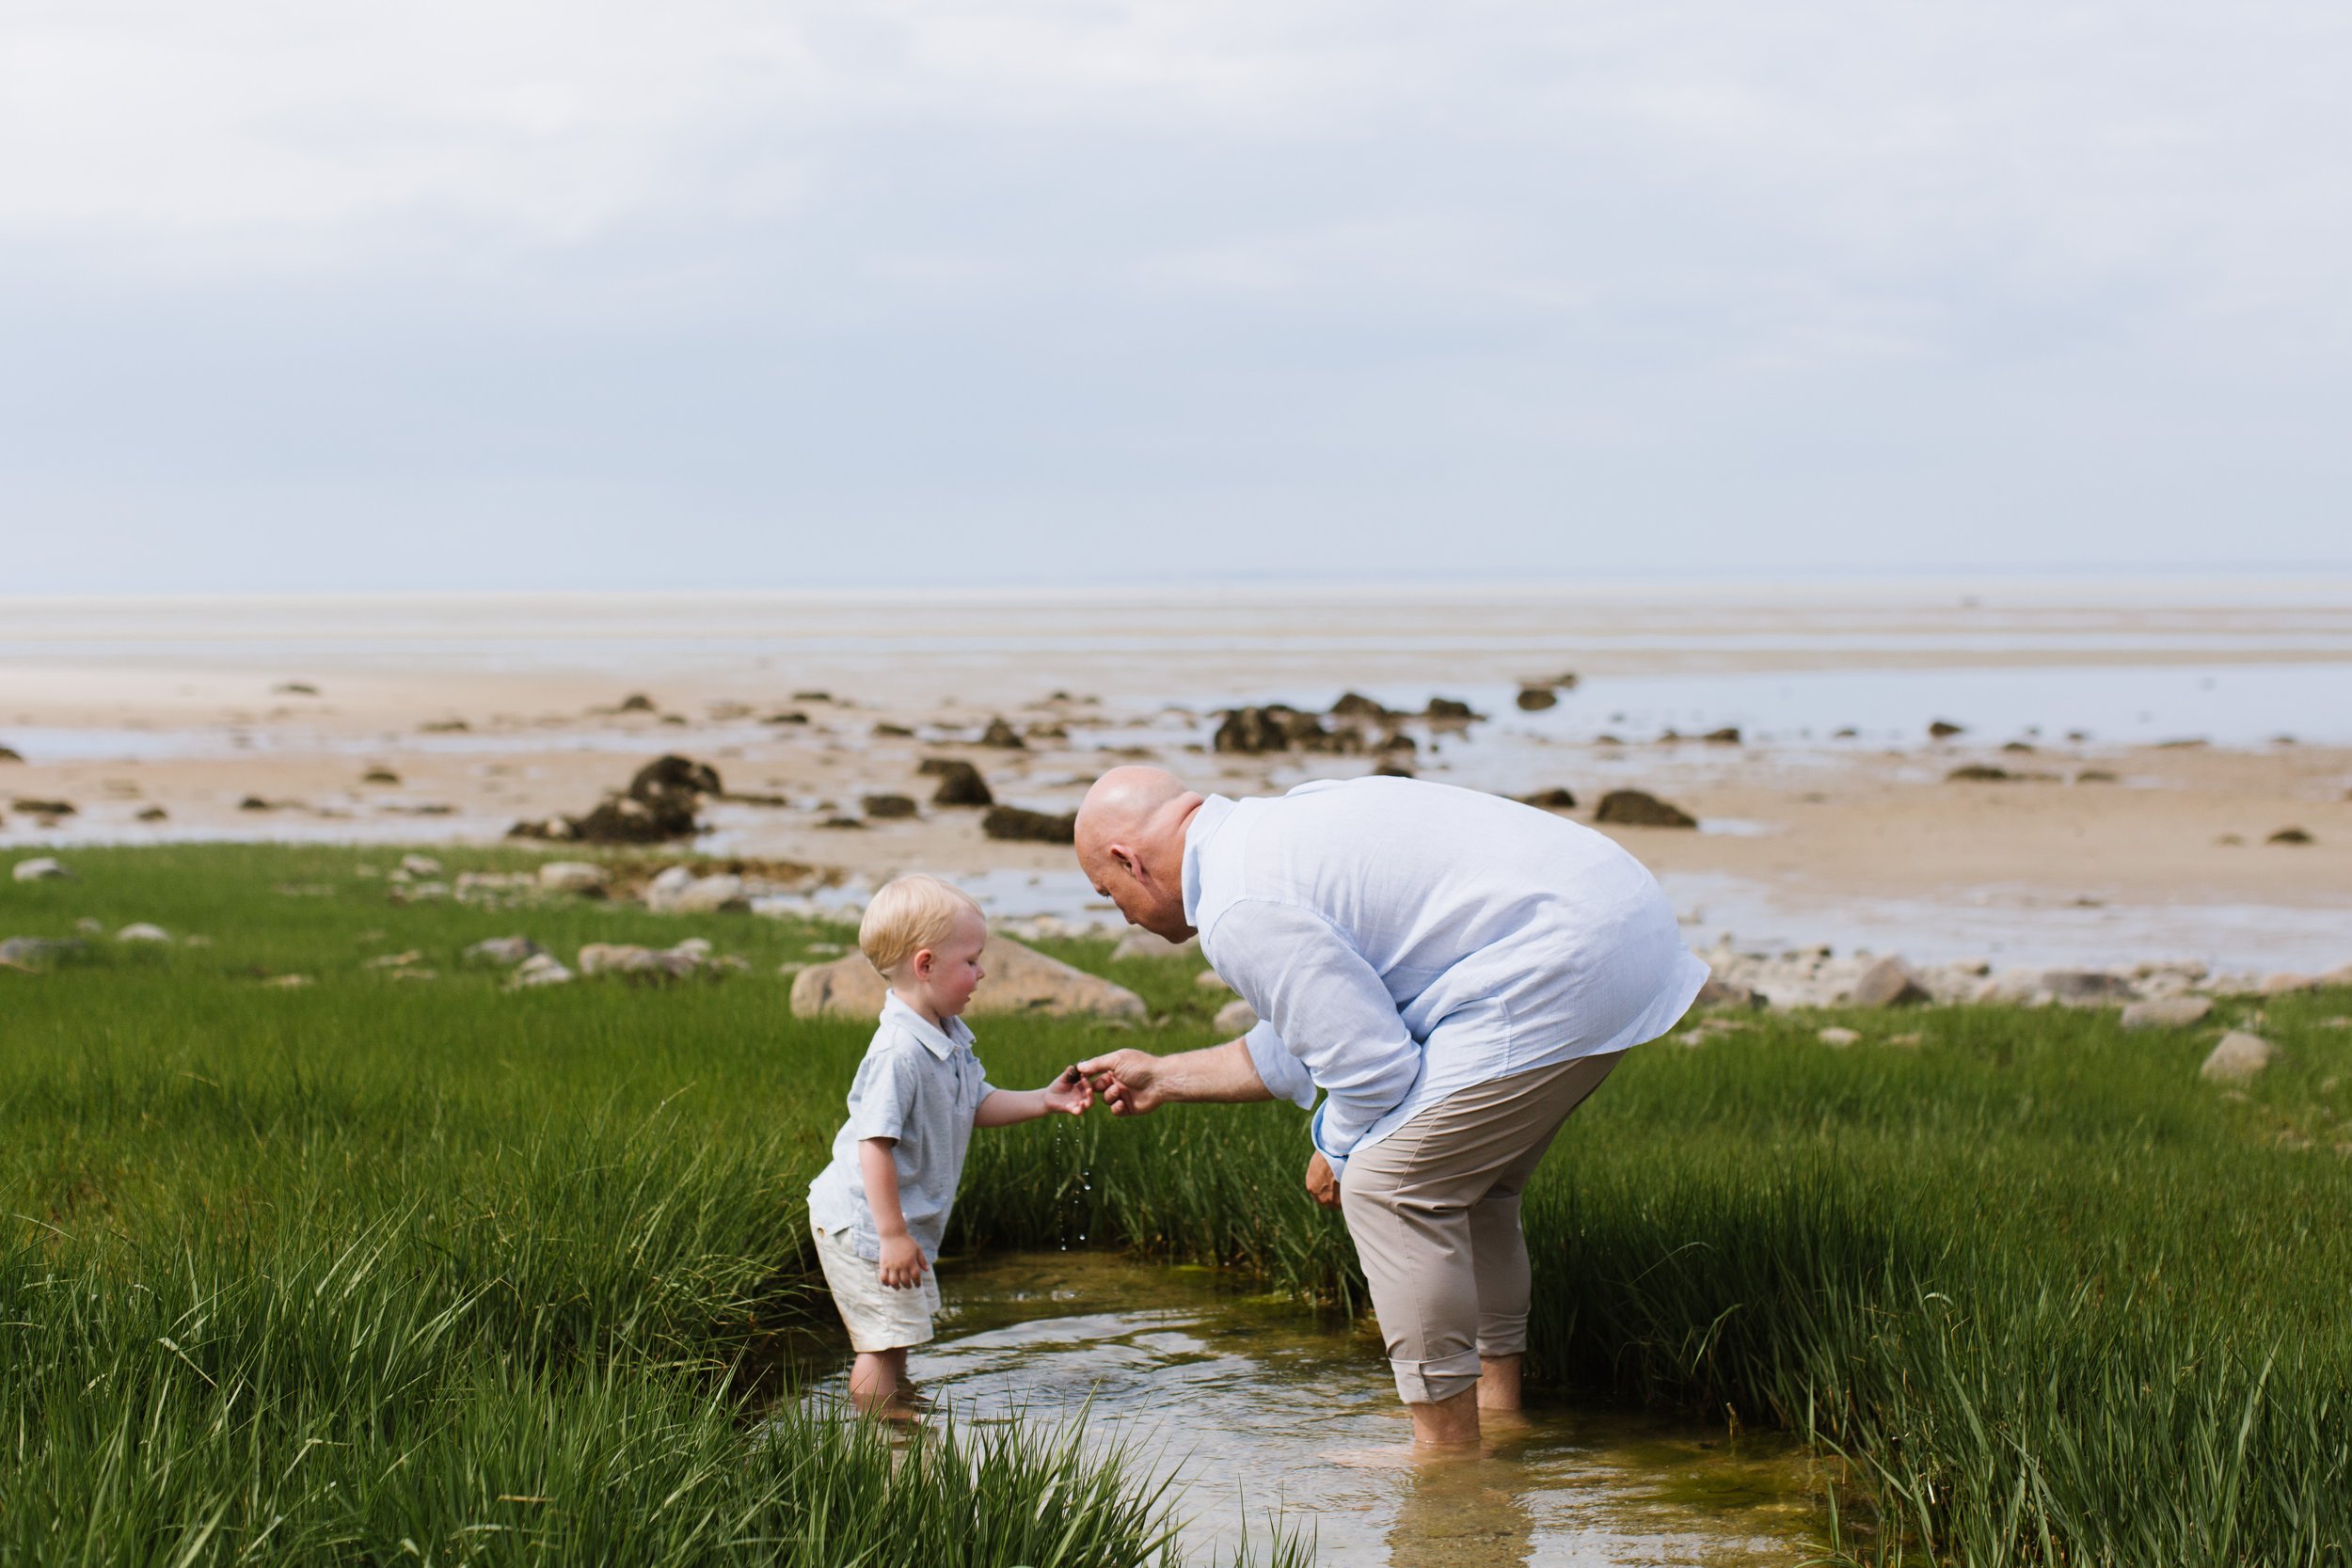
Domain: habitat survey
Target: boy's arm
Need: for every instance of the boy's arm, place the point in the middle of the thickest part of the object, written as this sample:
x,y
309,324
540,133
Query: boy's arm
x,y
902,1259
1070,1094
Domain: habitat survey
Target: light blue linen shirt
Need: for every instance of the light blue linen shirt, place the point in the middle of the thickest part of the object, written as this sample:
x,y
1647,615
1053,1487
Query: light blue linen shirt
x,y
1402,939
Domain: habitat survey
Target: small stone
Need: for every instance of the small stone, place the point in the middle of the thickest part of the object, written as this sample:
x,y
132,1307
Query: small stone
x,y
89,927
959,782
1449,710
1909,1042
1235,1018
583,877
1534,699
1977,772
379,776
1554,799
540,969
636,702
1944,729
887,808
2167,1012
1030,826
1719,992
886,731
153,814
1889,983
1840,1038
40,868
9,753
1002,735
142,931
721,892
2239,1057
2092,987
2284,836
1634,808
1727,735
692,948
1209,979
2287,985
506,951
287,982
421,865
43,808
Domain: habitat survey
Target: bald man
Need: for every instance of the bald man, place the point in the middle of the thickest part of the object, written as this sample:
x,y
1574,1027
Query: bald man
x,y
1454,972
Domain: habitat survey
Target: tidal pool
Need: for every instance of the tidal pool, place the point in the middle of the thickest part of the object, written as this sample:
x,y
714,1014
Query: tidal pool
x,y
1261,1410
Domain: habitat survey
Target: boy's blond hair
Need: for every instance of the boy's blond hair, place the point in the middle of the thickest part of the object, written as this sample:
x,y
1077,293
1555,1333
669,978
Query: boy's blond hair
x,y
908,914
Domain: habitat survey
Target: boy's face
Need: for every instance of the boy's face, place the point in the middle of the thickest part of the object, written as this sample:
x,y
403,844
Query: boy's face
x,y
949,972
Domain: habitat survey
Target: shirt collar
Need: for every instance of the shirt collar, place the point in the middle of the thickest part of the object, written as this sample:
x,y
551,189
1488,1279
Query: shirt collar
x,y
942,1043
1202,828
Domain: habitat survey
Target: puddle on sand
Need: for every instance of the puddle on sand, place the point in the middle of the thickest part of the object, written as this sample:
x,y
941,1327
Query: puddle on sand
x,y
1258,1407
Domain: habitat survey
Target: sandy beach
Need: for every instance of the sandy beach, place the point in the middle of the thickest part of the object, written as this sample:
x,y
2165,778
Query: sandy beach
x,y
2156,740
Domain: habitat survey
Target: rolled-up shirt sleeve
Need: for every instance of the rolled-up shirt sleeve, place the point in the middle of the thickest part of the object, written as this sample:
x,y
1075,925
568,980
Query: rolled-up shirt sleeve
x,y
1331,1011
1284,1075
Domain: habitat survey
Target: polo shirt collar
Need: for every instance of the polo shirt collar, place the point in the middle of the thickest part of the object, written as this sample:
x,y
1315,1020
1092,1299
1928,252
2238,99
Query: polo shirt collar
x,y
1202,828
942,1043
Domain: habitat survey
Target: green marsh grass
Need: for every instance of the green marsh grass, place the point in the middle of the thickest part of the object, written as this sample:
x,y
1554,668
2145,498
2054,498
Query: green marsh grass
x,y
381,1270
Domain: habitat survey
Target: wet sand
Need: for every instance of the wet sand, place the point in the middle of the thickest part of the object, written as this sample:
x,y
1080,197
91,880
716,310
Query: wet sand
x,y
1807,834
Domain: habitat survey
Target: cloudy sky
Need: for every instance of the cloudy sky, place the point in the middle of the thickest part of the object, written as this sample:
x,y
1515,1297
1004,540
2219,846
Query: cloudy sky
x,y
520,293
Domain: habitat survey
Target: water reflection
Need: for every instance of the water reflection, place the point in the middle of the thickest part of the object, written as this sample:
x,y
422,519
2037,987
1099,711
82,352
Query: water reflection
x,y
1255,1407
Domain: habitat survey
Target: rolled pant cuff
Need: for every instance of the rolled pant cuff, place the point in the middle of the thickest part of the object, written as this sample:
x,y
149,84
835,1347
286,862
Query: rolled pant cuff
x,y
1431,1382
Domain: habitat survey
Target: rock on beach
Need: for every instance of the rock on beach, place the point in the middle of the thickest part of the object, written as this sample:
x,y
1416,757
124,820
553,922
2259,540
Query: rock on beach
x,y
1236,1017
2167,1012
959,782
1020,980
1890,983
40,868
1030,826
1635,808
580,876
2238,1056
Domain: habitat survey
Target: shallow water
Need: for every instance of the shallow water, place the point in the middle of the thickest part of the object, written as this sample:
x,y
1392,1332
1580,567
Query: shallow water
x,y
1258,1408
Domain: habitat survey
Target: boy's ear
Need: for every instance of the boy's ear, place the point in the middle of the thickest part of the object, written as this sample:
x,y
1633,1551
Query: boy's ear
x,y
919,963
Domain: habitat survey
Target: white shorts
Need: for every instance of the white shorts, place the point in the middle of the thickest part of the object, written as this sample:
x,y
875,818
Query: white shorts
x,y
877,1316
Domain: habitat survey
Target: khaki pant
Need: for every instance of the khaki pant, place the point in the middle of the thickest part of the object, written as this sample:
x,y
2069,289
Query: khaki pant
x,y
1434,1208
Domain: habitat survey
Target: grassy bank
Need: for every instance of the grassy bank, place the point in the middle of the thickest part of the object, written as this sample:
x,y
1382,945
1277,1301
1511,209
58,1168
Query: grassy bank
x,y
375,1269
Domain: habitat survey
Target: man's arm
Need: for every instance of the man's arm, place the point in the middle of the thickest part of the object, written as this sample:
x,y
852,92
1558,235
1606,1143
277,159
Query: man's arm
x,y
1135,1082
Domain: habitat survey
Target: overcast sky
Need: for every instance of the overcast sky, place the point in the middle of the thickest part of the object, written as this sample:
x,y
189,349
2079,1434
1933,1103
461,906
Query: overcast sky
x,y
512,294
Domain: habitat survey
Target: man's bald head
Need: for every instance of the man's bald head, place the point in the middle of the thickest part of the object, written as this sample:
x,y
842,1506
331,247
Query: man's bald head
x,y
1123,802
1131,843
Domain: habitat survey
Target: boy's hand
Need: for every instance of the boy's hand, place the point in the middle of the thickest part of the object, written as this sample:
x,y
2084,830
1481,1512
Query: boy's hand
x,y
1070,1094
902,1262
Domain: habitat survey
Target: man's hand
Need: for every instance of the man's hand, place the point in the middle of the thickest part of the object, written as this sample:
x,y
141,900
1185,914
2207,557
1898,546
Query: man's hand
x,y
902,1262
1322,1185
1127,1080
1071,1094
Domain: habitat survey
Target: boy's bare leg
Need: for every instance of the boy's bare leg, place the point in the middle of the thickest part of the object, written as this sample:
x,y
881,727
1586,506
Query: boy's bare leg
x,y
1450,1423
874,1380
1498,1383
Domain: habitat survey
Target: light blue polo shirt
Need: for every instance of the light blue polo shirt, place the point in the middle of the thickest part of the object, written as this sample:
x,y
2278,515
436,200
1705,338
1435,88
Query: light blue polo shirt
x,y
921,1086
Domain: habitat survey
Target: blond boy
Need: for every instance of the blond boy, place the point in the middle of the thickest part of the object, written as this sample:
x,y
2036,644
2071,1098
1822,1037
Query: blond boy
x,y
880,1208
